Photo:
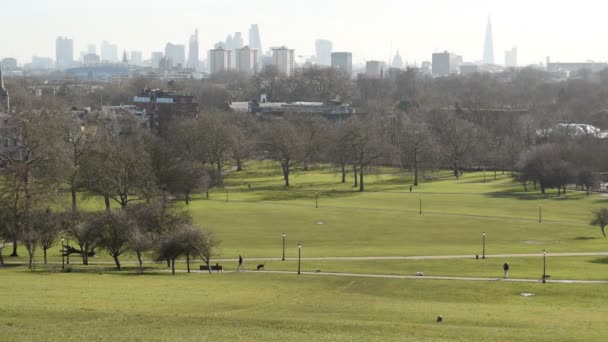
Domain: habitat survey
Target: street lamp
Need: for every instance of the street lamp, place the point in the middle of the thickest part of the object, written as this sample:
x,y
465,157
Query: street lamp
x,y
316,199
299,255
67,243
540,213
484,175
226,195
420,203
283,246
62,255
544,266
483,252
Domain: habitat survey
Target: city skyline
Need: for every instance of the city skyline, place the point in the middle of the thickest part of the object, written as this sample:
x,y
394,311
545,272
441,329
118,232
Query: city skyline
x,y
416,30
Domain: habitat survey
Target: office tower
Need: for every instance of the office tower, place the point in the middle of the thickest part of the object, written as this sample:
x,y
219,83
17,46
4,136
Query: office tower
x,y
92,48
444,64
64,49
375,69
229,43
220,60
283,60
247,60
511,58
9,63
155,58
343,61
109,52
136,58
176,53
488,50
255,42
237,41
5,104
193,51
323,49
397,61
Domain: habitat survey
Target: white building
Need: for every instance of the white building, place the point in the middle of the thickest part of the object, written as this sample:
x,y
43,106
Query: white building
x,y
109,52
220,60
64,48
247,60
283,60
176,53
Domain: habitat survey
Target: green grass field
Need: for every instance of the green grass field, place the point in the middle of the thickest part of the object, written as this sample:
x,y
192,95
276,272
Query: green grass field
x,y
97,304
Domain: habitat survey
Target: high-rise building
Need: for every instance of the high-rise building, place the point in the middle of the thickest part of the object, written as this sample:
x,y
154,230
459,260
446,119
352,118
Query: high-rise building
x,y
109,52
90,58
247,60
488,49
5,103
155,58
220,60
375,69
9,63
255,42
397,61
237,41
229,43
343,61
444,64
193,51
136,58
283,60
92,48
323,48
176,53
511,58
64,51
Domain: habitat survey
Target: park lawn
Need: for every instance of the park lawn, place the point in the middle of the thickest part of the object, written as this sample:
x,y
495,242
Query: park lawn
x,y
559,268
265,307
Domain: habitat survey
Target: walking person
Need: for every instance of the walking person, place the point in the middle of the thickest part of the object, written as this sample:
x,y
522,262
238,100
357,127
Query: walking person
x,y
240,264
505,268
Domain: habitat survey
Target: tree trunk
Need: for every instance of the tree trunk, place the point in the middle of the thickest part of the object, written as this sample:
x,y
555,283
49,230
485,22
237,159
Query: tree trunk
x,y
73,190
415,171
239,165
44,253
31,258
356,176
173,266
106,200
14,254
604,231
116,262
564,189
141,264
168,262
343,173
361,186
285,167
187,198
219,173
456,171
525,186
188,262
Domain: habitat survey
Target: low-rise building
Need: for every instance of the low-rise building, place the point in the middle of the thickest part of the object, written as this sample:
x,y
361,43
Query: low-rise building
x,y
161,107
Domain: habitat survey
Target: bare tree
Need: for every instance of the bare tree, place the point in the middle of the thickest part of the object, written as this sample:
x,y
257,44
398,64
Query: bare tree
x,y
113,229
366,145
600,219
283,143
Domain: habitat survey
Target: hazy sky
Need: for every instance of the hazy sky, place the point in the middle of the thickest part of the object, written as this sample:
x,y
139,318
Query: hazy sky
x,y
564,30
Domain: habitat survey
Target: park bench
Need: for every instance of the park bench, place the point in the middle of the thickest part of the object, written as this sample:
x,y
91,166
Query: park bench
x,y
216,267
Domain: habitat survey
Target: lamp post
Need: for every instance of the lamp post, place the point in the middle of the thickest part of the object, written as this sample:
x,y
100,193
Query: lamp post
x,y
540,213
484,175
283,246
483,252
226,195
316,199
67,243
544,266
420,203
299,255
62,255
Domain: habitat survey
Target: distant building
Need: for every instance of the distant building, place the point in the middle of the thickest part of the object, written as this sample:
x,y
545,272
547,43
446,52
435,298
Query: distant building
x,y
237,41
469,68
332,110
444,64
161,107
39,63
64,52
323,48
220,60
343,61
283,60
397,61
90,58
136,58
511,58
9,64
5,103
575,67
176,53
91,48
255,42
155,58
247,60
488,49
193,59
109,52
375,69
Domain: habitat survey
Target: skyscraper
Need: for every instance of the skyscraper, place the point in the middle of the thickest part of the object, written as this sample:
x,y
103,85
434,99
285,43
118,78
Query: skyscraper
x,y
220,60
109,52
343,61
283,60
247,60
136,58
176,53
237,41
488,49
64,49
444,64
193,51
511,58
324,48
255,42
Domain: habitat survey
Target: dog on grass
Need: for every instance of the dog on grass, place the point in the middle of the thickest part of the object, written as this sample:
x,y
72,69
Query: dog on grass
x,y
260,267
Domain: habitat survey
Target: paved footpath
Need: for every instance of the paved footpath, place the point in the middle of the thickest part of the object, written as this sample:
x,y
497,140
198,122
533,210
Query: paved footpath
x,y
391,276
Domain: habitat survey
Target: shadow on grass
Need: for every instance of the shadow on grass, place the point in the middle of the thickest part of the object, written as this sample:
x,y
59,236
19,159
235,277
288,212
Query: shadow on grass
x,y
600,261
585,238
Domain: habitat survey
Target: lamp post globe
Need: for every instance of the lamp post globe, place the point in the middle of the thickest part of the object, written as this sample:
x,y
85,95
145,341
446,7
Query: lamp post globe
x,y
283,247
299,255
483,251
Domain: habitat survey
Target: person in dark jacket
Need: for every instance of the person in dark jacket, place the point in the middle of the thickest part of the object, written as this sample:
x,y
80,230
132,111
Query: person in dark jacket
x,y
240,264
505,268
